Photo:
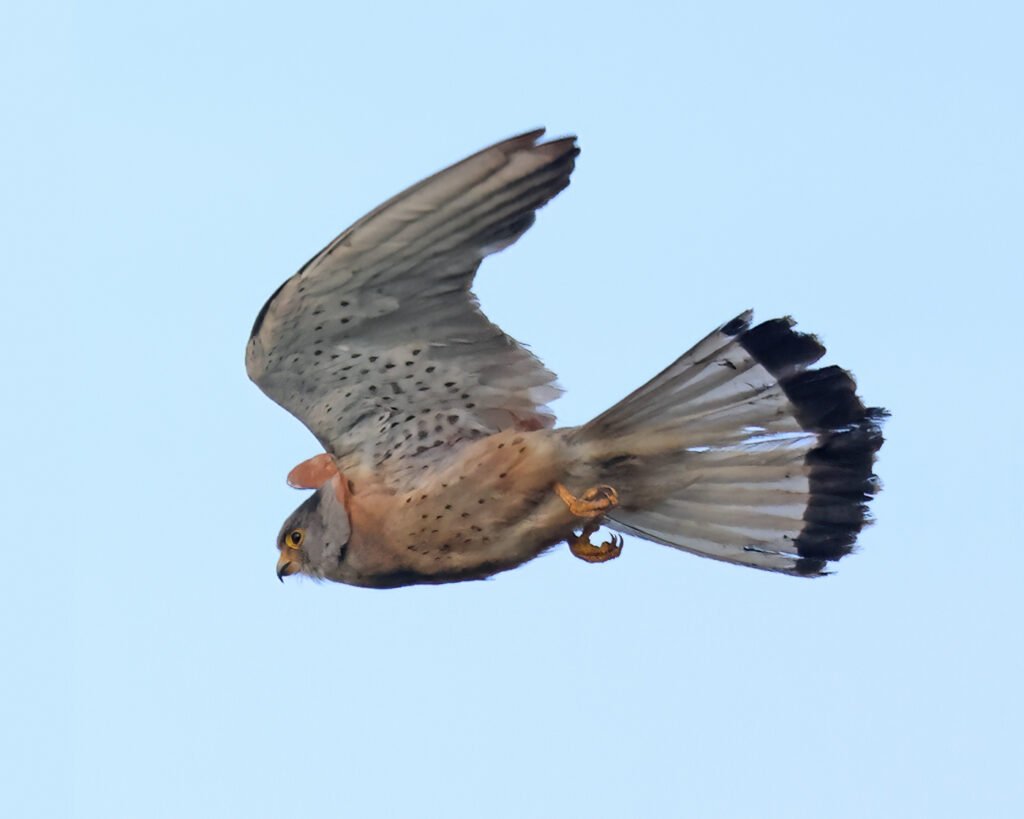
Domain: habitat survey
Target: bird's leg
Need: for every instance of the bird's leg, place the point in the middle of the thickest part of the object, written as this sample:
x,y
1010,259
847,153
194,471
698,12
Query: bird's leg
x,y
595,501
591,504
314,473
581,546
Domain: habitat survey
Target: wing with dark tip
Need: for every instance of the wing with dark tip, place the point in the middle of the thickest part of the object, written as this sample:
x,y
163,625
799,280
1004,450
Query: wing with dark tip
x,y
378,345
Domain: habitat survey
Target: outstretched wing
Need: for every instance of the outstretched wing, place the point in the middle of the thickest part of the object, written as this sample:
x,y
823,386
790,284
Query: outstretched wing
x,y
377,344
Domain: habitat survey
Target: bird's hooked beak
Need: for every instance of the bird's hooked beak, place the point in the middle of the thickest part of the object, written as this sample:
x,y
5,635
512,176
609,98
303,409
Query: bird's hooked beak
x,y
285,566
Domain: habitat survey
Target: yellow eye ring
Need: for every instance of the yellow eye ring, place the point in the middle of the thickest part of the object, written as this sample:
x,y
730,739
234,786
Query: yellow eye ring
x,y
294,538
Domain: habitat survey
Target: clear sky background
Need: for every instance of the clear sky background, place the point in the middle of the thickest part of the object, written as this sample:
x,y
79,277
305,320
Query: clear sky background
x,y
167,165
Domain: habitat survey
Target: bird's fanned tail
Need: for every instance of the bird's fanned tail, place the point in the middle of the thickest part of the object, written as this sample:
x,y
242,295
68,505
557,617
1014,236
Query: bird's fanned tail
x,y
740,452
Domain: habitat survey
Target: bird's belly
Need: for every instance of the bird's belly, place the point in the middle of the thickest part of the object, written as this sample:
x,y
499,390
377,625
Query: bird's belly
x,y
490,508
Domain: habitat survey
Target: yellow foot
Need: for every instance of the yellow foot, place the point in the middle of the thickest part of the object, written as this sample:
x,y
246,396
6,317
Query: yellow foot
x,y
595,501
581,546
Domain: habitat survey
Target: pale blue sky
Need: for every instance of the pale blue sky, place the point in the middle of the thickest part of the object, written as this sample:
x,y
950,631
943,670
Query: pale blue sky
x,y
167,165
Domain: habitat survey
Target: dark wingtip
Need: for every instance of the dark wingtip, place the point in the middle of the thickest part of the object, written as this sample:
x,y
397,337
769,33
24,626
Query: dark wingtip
x,y
264,310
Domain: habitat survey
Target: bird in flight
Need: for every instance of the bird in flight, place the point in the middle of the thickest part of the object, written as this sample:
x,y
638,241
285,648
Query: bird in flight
x,y
442,461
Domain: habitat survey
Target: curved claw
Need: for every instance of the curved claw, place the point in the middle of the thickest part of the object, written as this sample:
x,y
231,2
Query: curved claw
x,y
581,546
594,502
601,494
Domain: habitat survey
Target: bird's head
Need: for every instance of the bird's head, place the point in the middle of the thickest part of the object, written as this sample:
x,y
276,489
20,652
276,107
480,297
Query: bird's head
x,y
314,538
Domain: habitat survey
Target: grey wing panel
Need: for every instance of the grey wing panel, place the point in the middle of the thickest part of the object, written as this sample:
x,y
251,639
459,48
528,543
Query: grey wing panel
x,y
377,344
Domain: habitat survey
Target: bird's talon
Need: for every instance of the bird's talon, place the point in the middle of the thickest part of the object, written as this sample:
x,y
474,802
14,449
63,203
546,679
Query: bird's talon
x,y
593,502
581,546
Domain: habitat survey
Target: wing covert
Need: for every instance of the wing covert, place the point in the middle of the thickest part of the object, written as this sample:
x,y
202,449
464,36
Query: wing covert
x,y
378,345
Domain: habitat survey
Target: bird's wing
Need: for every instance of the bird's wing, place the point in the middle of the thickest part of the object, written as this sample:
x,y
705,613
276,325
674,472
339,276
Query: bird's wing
x,y
377,344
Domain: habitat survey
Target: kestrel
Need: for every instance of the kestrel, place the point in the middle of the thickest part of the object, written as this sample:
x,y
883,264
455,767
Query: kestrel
x,y
442,460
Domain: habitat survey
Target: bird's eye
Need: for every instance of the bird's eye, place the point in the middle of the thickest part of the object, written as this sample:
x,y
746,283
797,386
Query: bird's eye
x,y
295,538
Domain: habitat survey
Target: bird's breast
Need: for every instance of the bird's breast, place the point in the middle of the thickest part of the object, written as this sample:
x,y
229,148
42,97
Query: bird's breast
x,y
489,507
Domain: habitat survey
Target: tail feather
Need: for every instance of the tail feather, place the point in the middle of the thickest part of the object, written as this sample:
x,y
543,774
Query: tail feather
x,y
738,451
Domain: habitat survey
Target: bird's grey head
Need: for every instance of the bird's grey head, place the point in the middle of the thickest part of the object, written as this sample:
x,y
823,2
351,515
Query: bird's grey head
x,y
314,538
